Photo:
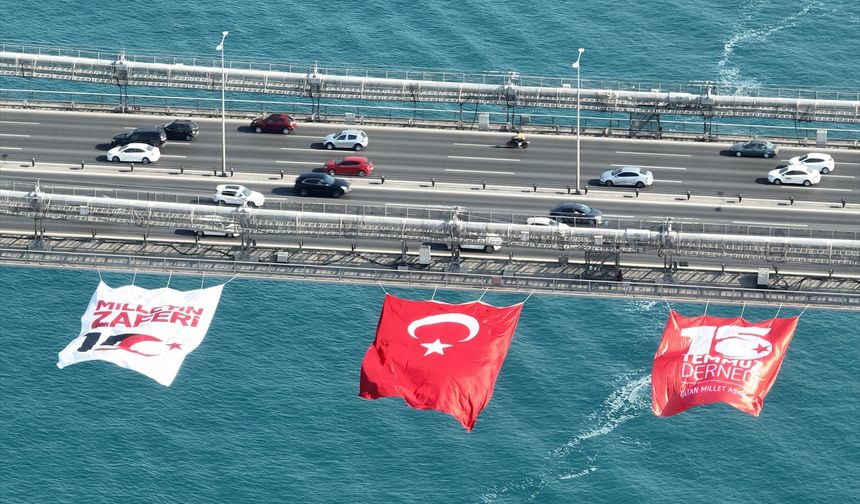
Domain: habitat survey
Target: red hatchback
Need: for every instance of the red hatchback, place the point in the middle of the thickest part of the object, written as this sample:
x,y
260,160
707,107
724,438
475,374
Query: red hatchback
x,y
275,123
349,165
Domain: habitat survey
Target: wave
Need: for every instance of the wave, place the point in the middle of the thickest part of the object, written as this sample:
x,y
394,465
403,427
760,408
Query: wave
x,y
630,400
729,76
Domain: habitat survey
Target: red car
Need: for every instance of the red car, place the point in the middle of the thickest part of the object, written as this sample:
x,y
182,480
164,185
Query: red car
x,y
349,165
275,123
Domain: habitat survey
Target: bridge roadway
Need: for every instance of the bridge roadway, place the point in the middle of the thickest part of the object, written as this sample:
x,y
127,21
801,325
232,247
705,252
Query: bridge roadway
x,y
459,161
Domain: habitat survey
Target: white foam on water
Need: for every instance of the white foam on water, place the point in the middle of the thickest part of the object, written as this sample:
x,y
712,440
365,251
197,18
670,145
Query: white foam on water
x,y
729,76
628,401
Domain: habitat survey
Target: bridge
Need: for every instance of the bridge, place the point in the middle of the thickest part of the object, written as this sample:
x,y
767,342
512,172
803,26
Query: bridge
x,y
505,91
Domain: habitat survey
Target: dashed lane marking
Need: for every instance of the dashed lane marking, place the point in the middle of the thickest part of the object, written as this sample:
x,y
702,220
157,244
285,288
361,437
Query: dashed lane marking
x,y
653,154
20,122
13,135
485,159
481,171
653,167
474,145
314,163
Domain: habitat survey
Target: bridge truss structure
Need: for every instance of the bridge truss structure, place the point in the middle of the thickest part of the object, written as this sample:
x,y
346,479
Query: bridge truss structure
x,y
507,90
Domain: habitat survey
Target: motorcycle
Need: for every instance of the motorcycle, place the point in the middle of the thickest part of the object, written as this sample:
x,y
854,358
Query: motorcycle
x,y
517,143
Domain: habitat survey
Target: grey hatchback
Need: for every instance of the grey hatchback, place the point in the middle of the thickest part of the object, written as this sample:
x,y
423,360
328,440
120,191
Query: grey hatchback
x,y
758,148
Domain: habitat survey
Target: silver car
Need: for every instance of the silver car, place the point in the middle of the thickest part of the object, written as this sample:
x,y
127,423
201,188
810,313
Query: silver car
x,y
627,176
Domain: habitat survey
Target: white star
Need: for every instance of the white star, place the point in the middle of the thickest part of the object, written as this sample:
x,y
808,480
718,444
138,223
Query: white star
x,y
435,347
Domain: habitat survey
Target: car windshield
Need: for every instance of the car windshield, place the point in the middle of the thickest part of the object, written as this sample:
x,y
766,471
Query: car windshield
x,y
245,192
616,172
803,158
584,208
782,172
328,179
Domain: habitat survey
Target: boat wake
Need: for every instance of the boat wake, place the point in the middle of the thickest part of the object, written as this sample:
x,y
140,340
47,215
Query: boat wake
x,y
729,75
570,461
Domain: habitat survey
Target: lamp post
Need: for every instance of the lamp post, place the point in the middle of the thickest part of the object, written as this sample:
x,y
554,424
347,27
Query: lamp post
x,y
576,66
220,48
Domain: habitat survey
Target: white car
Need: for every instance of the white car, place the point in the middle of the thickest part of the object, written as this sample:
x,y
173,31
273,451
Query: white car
x,y
214,225
134,153
234,194
347,139
627,176
822,163
546,222
794,174
488,243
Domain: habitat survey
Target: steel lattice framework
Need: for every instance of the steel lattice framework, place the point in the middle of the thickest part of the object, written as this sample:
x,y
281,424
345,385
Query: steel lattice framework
x,y
508,91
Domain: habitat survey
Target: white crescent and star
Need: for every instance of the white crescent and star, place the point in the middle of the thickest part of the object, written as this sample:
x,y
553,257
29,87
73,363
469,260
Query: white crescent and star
x,y
437,346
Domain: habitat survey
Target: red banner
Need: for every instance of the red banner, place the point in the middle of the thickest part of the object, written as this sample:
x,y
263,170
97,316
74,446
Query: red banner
x,y
705,359
438,356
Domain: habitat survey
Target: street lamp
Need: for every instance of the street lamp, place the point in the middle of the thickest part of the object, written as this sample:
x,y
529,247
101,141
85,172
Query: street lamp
x,y
576,66
220,48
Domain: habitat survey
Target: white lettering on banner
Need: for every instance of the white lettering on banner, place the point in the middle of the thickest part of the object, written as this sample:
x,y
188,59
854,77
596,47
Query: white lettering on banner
x,y
727,354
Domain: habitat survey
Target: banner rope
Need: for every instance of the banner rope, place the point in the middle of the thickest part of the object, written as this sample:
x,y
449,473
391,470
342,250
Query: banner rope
x,y
169,276
707,302
133,277
528,297
743,308
482,294
381,287
434,292
231,279
99,271
202,280
667,304
804,311
775,316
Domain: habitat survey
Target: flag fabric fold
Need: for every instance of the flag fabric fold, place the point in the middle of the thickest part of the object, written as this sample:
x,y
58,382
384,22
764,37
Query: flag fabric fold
x,y
438,356
706,359
147,330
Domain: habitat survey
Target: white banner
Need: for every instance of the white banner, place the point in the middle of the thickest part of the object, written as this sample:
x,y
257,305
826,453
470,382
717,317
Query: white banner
x,y
147,330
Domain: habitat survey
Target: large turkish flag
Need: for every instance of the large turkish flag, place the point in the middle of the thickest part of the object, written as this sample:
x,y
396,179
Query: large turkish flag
x,y
706,359
437,355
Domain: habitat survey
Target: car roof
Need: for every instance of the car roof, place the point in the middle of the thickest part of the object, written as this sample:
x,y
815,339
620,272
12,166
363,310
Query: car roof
x,y
817,154
630,168
152,129
139,145
567,206
232,187
360,159
351,130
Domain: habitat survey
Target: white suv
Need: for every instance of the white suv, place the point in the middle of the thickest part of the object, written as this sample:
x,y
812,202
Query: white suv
x,y
822,163
233,194
347,139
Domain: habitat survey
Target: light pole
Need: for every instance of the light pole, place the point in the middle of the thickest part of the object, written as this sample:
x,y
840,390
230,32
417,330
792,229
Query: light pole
x,y
220,48
576,66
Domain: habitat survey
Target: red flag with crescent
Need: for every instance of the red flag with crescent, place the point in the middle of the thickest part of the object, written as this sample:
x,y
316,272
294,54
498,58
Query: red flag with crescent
x,y
706,359
438,356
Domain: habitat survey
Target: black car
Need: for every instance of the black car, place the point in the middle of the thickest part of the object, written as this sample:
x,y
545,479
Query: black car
x,y
152,136
321,184
576,214
180,129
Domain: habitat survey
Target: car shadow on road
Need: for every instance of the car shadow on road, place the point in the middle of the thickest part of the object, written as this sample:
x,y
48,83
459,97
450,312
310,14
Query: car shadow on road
x,y
284,191
762,181
103,146
727,152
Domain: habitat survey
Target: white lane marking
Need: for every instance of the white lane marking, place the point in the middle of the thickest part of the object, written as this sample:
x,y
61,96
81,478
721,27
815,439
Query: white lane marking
x,y
769,224
173,156
175,143
473,145
485,159
305,136
846,162
14,135
829,175
481,171
653,167
653,154
299,162
11,148
305,149
669,181
789,186
20,122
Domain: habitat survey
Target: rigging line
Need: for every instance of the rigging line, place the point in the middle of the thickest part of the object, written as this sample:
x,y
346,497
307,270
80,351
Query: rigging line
x,y
382,287
434,292
743,307
482,294
169,276
707,301
99,270
202,280
231,279
133,277
667,304
528,297
804,311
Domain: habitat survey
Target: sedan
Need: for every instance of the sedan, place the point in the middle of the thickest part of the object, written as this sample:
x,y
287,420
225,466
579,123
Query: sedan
x,y
321,184
349,165
234,194
822,163
758,148
546,222
794,174
576,213
134,153
627,176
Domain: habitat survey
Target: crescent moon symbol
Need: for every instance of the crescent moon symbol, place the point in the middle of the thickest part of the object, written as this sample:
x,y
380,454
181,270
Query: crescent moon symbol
x,y
456,318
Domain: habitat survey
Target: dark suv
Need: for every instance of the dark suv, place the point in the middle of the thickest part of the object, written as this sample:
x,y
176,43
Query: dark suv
x,y
152,136
275,123
180,129
321,184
